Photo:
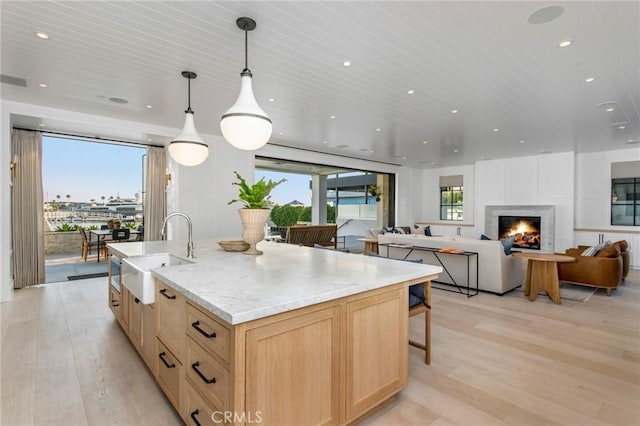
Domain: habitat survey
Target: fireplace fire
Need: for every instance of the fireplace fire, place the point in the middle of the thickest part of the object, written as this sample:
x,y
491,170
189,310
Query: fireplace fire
x,y
524,229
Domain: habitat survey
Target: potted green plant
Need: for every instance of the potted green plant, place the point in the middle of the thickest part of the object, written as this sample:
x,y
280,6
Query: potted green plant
x,y
373,190
256,208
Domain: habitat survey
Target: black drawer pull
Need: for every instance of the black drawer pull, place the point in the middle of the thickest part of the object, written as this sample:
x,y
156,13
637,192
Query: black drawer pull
x,y
195,366
136,300
194,418
162,355
164,293
114,304
196,325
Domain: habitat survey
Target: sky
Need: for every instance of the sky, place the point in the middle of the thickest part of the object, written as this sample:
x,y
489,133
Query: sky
x,y
87,170
295,188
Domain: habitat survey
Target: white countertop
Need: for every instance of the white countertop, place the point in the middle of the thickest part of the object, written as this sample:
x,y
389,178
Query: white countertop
x,y
240,288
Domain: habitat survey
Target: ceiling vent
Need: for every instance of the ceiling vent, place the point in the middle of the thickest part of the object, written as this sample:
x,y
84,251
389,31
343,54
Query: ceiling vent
x,y
16,81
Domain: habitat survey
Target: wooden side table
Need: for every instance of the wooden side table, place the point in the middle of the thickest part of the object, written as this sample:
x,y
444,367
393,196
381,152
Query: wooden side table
x,y
370,245
542,274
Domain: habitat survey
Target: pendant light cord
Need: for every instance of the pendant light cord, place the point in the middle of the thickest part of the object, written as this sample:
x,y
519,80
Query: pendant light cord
x,y
189,110
246,48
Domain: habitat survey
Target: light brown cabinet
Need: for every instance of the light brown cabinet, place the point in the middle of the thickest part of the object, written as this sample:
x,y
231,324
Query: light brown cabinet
x,y
325,364
293,369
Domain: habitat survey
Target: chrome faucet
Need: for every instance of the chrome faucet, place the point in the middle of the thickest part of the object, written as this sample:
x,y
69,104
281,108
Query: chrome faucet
x,y
163,235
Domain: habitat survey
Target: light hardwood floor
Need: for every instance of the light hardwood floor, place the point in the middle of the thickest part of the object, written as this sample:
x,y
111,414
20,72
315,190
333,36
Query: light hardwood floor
x,y
495,360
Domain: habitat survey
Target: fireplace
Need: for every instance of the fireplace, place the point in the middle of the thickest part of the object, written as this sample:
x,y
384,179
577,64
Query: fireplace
x,y
524,229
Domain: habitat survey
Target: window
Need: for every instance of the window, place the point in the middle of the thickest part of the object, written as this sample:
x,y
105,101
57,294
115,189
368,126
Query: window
x,y
625,201
451,190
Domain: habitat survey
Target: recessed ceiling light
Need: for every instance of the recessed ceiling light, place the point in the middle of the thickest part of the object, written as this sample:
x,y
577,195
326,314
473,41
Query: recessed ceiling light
x,y
332,117
607,106
496,130
521,141
425,142
610,109
346,63
589,79
630,140
455,150
271,100
565,43
378,129
41,124
149,106
371,151
622,127
454,111
545,14
42,35
411,92
404,158
324,141
620,124
149,140
43,85
281,133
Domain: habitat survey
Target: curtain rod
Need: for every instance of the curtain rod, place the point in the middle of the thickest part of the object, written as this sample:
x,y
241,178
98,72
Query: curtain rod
x,y
96,138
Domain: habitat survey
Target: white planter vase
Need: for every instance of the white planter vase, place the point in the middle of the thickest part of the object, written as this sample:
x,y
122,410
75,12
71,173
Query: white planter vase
x,y
253,221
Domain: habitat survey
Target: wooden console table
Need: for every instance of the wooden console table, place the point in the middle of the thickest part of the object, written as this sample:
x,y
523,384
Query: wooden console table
x,y
542,274
436,253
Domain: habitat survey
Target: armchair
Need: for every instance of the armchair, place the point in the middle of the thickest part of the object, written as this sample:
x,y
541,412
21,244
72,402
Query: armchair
x,y
602,270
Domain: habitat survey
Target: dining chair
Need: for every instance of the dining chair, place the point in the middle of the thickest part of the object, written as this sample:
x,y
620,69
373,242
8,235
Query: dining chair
x,y
419,303
88,245
120,235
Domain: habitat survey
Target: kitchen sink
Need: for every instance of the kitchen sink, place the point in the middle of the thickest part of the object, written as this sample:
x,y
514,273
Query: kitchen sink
x,y
136,273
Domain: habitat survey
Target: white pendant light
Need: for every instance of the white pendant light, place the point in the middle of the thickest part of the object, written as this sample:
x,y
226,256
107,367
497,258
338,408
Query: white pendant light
x,y
188,148
245,125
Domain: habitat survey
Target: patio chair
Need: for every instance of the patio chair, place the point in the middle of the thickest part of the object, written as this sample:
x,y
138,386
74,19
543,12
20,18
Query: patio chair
x,y
87,245
121,235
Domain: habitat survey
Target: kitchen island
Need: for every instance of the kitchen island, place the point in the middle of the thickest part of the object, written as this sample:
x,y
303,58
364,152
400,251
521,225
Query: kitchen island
x,y
295,336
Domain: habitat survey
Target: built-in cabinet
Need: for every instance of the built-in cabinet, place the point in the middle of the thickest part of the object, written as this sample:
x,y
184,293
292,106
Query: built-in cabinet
x,y
329,363
591,237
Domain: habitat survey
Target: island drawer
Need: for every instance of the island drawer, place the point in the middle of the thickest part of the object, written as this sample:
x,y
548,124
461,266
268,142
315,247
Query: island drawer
x,y
198,412
207,375
170,310
208,332
170,374
114,301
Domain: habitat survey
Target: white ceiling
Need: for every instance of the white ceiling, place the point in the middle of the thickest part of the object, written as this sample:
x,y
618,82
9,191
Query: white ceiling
x,y
482,58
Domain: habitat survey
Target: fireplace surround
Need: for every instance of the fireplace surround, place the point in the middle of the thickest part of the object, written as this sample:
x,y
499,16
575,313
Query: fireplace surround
x,y
546,213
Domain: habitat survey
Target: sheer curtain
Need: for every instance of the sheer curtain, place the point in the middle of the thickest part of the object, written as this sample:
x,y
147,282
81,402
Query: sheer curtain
x,y
155,198
27,209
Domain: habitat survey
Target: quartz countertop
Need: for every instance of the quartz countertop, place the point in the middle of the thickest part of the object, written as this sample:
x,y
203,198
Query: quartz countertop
x,y
240,288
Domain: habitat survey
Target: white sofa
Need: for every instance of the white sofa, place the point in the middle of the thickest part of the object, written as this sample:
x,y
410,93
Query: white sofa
x,y
497,272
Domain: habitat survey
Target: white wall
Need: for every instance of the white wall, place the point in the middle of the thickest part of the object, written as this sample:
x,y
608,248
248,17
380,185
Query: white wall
x,y
202,192
537,180
593,188
429,190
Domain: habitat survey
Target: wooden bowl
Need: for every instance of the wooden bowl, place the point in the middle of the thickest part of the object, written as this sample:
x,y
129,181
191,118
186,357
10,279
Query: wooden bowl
x,y
235,245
